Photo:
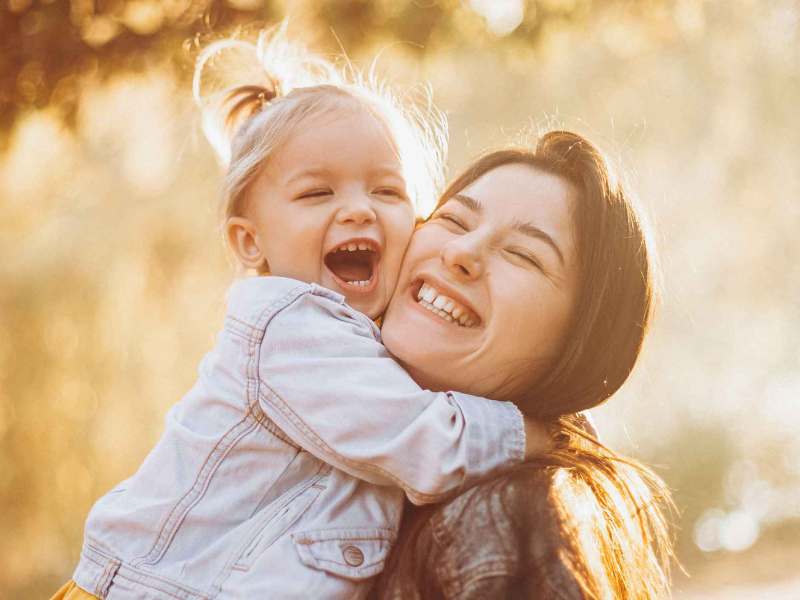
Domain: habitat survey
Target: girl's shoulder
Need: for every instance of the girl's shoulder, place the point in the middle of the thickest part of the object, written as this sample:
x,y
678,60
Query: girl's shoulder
x,y
251,294
257,300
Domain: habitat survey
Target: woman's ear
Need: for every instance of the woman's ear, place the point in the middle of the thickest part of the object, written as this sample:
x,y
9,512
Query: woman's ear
x,y
245,243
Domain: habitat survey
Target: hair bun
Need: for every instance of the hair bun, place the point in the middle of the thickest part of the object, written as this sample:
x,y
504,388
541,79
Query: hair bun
x,y
234,79
247,100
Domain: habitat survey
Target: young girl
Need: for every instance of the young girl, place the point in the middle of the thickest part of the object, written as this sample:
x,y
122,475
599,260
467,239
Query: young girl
x,y
281,473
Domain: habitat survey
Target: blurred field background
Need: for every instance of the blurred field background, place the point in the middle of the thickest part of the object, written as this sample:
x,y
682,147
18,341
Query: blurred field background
x,y
113,273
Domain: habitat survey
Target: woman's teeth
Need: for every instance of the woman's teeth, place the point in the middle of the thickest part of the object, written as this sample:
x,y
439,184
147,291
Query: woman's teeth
x,y
444,307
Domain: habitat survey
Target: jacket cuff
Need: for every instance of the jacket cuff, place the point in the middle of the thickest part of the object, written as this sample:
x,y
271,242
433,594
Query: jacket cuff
x,y
495,434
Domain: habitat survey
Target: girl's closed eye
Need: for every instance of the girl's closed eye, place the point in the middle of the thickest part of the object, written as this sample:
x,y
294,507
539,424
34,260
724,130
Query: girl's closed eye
x,y
390,192
314,193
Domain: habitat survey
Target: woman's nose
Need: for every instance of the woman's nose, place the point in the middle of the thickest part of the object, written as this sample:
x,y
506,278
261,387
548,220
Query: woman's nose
x,y
356,209
462,257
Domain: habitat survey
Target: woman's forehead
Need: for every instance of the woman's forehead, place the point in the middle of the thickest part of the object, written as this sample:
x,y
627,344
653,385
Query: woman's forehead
x,y
519,192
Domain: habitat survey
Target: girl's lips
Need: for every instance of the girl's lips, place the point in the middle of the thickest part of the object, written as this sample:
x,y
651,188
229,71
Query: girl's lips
x,y
348,288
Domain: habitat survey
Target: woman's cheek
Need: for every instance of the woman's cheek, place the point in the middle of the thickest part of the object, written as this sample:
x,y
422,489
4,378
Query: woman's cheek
x,y
426,241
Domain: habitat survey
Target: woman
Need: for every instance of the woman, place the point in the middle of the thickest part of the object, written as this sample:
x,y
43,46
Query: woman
x,y
544,250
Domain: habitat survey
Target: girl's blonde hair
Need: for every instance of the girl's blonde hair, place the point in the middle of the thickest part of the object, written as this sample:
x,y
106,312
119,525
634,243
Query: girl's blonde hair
x,y
247,121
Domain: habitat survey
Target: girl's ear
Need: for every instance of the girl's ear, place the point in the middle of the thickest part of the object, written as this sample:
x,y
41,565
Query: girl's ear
x,y
245,243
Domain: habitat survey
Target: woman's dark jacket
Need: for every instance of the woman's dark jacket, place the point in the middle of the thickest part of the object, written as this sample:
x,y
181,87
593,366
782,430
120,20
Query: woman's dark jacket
x,y
500,539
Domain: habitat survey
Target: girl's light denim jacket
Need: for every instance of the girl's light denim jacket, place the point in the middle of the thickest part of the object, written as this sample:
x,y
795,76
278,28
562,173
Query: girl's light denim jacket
x,y
281,473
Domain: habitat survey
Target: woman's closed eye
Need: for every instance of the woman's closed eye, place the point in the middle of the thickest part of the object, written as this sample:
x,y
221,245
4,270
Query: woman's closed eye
x,y
452,219
522,255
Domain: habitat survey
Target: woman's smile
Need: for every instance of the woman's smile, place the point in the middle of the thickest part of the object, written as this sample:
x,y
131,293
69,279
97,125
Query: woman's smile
x,y
444,302
445,307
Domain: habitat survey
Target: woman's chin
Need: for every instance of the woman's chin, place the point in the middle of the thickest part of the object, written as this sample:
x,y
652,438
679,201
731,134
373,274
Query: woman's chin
x,y
419,352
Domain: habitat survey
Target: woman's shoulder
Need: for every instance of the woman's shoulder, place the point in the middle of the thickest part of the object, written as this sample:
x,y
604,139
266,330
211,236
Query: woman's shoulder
x,y
527,486
499,506
508,530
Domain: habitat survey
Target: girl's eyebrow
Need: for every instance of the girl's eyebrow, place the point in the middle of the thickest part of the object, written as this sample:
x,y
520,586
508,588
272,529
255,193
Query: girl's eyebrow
x,y
305,173
382,170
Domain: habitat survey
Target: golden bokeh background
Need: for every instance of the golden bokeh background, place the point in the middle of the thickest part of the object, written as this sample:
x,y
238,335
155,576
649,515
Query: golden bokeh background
x,y
113,273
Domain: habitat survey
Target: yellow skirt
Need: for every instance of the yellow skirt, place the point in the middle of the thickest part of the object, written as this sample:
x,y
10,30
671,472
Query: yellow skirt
x,y
70,591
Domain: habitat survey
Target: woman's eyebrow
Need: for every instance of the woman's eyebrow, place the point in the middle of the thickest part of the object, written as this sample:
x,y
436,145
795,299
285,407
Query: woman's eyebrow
x,y
532,231
468,201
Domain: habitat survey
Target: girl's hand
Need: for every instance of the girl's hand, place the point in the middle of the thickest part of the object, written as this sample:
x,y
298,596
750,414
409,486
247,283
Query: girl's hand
x,y
538,438
541,438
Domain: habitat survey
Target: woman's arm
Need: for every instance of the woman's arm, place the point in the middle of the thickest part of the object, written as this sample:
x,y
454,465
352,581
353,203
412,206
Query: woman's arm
x,y
327,381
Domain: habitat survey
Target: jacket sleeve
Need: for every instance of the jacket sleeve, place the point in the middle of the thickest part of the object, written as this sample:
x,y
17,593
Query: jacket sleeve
x,y
327,381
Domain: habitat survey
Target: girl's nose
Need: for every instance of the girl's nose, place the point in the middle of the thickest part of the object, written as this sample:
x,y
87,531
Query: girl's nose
x,y
356,209
462,257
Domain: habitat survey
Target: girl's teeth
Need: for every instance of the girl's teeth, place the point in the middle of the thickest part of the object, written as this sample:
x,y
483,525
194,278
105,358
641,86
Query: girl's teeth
x,y
362,246
352,247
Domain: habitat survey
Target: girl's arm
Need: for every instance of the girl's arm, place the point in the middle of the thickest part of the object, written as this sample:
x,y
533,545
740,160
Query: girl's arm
x,y
327,381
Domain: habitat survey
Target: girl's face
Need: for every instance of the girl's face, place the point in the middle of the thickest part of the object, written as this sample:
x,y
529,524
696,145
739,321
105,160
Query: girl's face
x,y
330,207
488,285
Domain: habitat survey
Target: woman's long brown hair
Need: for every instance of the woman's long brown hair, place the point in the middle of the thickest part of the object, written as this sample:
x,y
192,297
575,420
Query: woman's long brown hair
x,y
613,534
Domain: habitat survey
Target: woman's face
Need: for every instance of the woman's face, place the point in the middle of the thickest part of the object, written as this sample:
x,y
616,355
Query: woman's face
x,y
487,286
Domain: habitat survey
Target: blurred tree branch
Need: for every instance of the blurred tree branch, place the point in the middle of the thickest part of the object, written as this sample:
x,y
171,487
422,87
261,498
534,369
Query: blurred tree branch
x,y
47,46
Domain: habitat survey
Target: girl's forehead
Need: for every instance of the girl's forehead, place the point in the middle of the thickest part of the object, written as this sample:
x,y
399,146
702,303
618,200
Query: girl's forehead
x,y
347,142
344,124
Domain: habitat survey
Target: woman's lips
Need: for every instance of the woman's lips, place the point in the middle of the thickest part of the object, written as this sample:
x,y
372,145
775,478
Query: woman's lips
x,y
443,307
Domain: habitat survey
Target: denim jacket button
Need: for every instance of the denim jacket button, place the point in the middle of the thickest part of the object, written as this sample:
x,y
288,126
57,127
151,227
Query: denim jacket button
x,y
353,555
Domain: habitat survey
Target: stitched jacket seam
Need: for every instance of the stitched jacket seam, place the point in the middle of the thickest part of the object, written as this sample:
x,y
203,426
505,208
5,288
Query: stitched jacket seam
x,y
279,403
255,339
180,509
458,583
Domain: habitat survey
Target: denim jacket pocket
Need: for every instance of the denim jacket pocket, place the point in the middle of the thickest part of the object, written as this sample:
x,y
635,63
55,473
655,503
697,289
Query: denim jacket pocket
x,y
276,521
351,553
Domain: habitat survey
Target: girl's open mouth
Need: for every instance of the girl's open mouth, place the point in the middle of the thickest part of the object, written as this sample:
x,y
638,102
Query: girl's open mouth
x,y
354,265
